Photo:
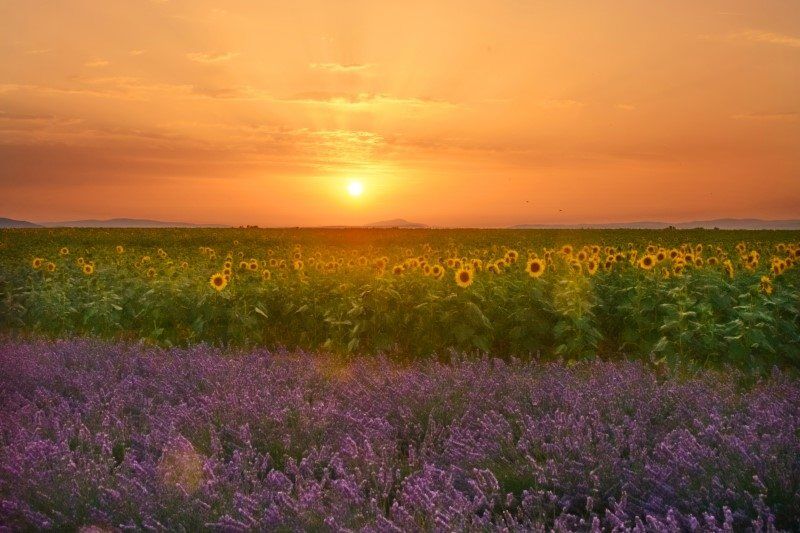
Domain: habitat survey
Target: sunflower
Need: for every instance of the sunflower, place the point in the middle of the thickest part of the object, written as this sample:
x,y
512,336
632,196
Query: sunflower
x,y
464,278
50,266
252,265
647,262
88,269
535,268
297,264
151,272
63,251
677,269
575,266
566,249
80,261
661,255
218,281
437,271
37,262
766,284
244,265
266,275
397,270
120,249
728,266
582,255
591,267
184,264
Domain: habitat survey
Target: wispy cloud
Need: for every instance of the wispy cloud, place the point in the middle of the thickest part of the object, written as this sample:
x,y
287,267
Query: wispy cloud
x,y
561,103
133,88
767,115
625,107
756,36
770,37
211,57
136,52
340,67
97,63
365,99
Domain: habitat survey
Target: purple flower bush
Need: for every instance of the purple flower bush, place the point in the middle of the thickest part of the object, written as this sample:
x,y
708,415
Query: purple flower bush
x,y
120,436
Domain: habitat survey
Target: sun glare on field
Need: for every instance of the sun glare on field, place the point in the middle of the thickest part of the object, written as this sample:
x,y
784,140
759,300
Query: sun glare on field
x,y
355,188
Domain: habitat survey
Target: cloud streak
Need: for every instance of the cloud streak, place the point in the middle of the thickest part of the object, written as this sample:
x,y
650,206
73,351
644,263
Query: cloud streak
x,y
340,67
211,57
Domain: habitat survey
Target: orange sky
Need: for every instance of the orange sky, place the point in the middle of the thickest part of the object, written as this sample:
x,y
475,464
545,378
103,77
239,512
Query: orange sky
x,y
450,113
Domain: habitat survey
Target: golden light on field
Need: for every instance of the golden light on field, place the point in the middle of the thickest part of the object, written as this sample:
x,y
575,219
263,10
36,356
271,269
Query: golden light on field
x,y
492,114
355,188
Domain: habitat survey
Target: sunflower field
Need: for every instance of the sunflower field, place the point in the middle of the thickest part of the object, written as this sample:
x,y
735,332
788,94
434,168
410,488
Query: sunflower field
x,y
701,298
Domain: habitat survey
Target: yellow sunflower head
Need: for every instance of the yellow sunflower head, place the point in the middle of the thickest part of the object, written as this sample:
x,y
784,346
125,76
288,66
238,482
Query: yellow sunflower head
x,y
120,249
647,262
766,284
464,277
88,269
37,262
218,281
535,268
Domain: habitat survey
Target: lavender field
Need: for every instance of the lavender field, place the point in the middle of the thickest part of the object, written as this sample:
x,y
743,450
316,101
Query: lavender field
x,y
120,436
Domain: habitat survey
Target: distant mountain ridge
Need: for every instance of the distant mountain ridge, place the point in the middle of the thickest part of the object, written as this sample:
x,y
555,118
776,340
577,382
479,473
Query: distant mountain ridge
x,y
395,223
126,223
720,223
11,223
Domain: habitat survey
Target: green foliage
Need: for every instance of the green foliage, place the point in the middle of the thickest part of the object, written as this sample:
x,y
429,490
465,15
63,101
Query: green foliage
x,y
345,302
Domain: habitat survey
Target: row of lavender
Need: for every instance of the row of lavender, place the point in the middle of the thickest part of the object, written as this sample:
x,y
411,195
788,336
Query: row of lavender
x,y
122,436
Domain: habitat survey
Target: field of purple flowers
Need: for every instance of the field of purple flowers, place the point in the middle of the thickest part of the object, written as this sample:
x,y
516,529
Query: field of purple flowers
x,y
120,436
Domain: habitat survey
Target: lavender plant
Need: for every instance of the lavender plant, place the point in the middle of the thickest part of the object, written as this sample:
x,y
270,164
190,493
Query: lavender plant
x,y
122,436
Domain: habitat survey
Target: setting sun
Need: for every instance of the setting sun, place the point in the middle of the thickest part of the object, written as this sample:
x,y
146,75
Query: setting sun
x,y
355,188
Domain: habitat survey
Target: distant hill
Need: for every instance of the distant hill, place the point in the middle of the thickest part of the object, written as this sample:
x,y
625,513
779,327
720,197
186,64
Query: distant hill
x,y
721,223
126,223
396,223
11,223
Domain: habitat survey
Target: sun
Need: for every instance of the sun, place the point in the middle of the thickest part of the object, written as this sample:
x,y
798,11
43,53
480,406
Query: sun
x,y
355,188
